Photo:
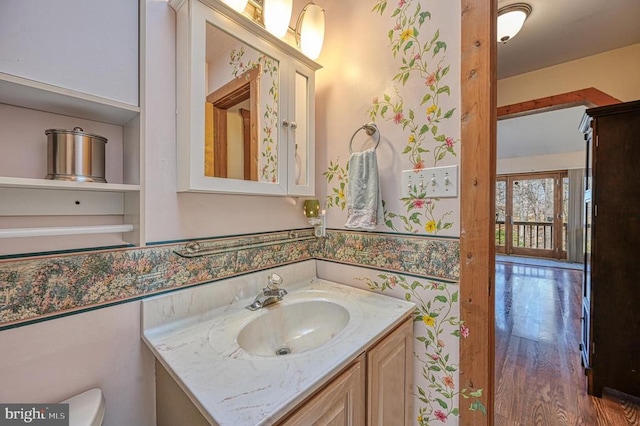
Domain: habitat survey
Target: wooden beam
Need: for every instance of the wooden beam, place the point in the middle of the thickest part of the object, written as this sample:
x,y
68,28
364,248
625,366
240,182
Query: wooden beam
x,y
590,97
477,205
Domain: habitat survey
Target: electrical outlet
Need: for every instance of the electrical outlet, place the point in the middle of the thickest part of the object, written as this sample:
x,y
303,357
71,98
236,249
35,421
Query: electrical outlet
x,y
434,182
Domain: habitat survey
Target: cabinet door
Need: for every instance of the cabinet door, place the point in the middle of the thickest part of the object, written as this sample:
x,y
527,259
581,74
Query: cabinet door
x,y
301,131
585,344
340,403
390,379
90,46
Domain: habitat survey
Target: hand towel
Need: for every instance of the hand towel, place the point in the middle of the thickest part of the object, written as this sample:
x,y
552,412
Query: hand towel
x,y
364,197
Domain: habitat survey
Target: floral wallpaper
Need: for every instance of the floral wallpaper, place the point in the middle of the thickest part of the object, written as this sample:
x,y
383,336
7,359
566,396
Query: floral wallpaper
x,y
417,105
413,100
428,257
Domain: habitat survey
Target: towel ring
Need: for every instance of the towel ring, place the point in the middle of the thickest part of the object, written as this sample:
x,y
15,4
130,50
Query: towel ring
x,y
371,129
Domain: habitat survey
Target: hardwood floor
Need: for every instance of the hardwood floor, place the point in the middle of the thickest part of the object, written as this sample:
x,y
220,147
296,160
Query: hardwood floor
x,y
539,378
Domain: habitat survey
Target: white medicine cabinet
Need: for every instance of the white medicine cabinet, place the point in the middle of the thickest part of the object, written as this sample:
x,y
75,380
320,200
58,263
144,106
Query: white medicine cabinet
x,y
245,105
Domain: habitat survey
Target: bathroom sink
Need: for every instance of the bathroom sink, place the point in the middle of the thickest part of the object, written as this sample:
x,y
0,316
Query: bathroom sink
x,y
290,328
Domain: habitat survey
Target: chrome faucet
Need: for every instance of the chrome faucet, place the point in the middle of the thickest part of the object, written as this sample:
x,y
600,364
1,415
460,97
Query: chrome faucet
x,y
271,294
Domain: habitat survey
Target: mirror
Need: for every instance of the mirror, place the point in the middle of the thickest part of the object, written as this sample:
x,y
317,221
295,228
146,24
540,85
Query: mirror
x,y
241,110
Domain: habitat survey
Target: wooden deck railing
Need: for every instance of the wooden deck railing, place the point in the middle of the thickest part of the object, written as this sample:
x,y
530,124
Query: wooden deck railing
x,y
535,235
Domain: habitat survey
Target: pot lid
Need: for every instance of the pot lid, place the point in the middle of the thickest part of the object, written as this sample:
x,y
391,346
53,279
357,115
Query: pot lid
x,y
76,131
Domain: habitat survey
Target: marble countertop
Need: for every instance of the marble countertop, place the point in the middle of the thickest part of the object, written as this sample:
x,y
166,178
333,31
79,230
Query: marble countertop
x,y
197,345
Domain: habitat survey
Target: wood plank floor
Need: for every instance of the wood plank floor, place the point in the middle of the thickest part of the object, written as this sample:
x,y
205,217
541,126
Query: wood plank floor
x,y
539,379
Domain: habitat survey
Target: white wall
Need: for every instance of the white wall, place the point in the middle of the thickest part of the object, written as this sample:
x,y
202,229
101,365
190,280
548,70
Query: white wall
x,y
50,361
614,72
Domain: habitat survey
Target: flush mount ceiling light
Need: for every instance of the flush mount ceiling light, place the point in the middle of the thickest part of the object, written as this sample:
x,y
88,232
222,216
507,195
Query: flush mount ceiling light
x,y
511,19
238,5
277,15
310,30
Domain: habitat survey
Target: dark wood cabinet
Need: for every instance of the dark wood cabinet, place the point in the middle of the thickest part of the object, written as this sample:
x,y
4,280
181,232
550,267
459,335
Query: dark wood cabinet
x,y
611,289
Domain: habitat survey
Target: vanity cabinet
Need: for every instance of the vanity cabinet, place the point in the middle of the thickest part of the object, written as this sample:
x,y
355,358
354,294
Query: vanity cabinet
x,y
52,78
271,150
611,293
376,389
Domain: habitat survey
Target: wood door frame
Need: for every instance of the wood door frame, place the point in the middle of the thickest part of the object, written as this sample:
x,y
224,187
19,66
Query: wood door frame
x,y
479,114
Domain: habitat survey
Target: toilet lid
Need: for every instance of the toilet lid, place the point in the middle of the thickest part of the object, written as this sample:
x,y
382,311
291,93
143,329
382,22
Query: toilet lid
x,y
86,409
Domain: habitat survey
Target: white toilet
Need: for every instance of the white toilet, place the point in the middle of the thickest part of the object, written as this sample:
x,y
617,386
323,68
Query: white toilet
x,y
86,409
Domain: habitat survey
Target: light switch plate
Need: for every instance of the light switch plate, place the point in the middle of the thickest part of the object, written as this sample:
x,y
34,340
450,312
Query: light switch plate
x,y
434,182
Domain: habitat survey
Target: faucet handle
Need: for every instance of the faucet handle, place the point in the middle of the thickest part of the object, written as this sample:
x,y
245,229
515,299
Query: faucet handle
x,y
274,281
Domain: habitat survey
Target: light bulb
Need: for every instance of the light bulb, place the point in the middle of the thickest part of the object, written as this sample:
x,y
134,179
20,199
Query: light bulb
x,y
511,19
312,31
277,15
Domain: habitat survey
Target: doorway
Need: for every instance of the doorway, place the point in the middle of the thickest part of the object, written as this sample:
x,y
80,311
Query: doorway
x,y
531,214
477,181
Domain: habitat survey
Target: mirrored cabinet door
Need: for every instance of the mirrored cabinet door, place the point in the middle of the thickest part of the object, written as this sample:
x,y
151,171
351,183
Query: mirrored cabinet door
x,y
241,110
244,103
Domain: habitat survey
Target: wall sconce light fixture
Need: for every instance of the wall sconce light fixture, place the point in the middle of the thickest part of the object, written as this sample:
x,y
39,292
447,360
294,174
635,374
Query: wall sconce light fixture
x,y
310,30
317,219
277,15
238,5
511,19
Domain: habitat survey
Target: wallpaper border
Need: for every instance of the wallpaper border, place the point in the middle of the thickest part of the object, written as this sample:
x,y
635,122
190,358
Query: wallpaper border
x,y
52,286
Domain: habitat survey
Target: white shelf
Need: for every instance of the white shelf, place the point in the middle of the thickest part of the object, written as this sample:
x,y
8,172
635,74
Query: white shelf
x,y
29,183
66,230
31,94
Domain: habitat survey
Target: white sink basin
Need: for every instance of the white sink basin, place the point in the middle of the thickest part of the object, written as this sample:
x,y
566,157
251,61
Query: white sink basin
x,y
293,328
